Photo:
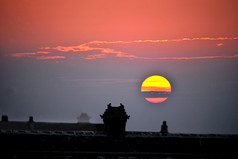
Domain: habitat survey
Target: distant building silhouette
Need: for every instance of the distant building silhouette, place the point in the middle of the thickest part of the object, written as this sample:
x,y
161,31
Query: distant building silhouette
x,y
5,118
37,127
83,118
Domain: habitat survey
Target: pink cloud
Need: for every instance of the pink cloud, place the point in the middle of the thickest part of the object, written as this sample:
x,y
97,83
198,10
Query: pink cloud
x,y
88,47
23,54
190,58
103,51
49,57
43,52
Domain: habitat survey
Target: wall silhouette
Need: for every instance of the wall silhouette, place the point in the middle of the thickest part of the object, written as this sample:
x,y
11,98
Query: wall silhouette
x,y
33,139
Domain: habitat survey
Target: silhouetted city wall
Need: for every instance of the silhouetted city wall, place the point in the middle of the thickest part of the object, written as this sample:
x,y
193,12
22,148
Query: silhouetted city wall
x,y
48,144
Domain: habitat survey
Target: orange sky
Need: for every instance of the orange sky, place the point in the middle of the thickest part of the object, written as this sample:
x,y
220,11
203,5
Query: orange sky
x,y
39,23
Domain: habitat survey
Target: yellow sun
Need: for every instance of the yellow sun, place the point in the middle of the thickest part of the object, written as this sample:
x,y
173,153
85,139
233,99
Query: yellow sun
x,y
156,88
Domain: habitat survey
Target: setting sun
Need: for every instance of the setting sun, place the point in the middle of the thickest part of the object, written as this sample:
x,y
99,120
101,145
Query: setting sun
x,y
156,88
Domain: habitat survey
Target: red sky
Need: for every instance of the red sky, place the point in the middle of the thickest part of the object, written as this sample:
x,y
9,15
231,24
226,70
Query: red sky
x,y
28,25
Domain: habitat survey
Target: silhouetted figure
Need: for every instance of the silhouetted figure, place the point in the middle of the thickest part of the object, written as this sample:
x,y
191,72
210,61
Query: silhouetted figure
x,y
31,123
115,119
5,118
83,118
164,129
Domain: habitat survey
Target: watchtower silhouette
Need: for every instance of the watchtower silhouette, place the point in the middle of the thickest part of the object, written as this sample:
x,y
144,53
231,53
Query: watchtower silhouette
x,y
115,119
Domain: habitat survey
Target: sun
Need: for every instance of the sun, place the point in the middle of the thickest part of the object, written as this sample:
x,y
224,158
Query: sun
x,y
156,89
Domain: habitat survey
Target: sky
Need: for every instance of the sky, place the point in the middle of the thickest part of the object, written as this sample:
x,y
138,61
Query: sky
x,y
59,58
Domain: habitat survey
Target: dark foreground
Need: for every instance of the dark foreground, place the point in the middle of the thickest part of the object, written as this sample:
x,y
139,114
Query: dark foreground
x,y
109,140
90,144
